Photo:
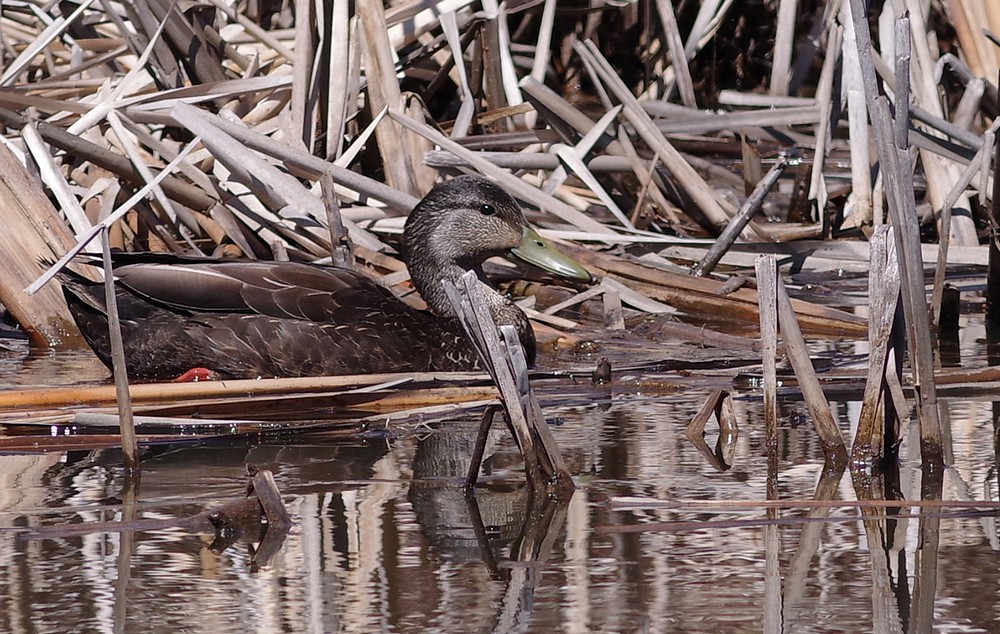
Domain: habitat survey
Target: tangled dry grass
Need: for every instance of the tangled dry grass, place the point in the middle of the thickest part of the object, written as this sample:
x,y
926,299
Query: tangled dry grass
x,y
257,129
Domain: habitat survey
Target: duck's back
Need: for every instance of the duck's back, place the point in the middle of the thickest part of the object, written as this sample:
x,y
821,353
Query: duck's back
x,y
263,319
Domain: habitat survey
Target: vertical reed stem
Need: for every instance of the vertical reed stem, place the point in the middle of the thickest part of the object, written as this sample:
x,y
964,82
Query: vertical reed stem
x,y
126,422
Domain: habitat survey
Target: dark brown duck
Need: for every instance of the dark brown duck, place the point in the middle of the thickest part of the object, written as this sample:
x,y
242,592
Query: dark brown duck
x,y
247,319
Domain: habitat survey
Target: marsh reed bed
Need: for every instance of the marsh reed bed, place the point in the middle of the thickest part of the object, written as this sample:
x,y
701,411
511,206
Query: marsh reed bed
x,y
665,144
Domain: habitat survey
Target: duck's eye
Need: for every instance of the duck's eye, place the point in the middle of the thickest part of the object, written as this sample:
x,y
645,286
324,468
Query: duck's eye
x,y
487,209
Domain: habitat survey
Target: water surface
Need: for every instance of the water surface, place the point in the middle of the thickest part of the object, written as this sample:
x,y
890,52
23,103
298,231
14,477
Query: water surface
x,y
384,539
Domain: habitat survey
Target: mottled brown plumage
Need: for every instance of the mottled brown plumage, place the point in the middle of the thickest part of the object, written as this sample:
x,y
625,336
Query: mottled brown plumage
x,y
246,319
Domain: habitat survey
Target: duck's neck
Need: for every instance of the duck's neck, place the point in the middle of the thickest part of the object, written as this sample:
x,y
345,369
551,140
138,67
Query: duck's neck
x,y
427,279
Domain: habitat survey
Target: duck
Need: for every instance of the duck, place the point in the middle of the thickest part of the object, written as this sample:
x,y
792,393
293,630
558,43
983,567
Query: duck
x,y
263,319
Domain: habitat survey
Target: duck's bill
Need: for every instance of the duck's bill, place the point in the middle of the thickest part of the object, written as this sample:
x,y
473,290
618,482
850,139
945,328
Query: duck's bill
x,y
536,250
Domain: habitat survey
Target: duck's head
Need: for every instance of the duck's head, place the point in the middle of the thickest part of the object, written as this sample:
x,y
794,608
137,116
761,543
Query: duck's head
x,y
466,220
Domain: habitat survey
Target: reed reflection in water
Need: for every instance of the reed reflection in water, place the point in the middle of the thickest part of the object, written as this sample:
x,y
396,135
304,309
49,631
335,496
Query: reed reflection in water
x,y
385,539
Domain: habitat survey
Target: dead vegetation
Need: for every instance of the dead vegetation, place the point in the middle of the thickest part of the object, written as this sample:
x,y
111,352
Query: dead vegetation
x,y
636,131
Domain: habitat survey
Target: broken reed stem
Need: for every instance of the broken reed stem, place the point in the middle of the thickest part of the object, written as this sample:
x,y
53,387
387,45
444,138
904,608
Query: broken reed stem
x,y
340,245
768,284
915,296
767,297
797,354
783,45
883,293
126,424
501,353
974,167
271,502
739,222
775,309
720,403
895,162
479,449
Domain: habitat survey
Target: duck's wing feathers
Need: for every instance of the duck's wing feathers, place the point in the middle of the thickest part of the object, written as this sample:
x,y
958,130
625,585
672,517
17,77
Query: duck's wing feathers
x,y
185,287
287,290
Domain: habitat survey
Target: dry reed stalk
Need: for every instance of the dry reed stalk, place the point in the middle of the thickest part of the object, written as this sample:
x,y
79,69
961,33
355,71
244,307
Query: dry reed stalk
x,y
53,177
884,283
767,280
819,407
678,60
968,174
340,39
940,174
685,176
719,403
383,90
780,69
636,300
31,225
340,247
967,111
701,295
501,352
303,104
740,220
894,159
126,424
700,122
148,393
467,110
859,207
775,310
818,193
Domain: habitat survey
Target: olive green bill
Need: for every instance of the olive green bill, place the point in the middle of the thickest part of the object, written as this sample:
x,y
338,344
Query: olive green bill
x,y
536,250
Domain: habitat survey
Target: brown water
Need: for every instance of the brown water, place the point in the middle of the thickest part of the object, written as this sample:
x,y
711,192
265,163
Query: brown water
x,y
384,541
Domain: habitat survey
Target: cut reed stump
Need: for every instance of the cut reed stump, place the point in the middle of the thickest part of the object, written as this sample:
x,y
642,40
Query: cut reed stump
x,y
773,289
883,292
502,354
